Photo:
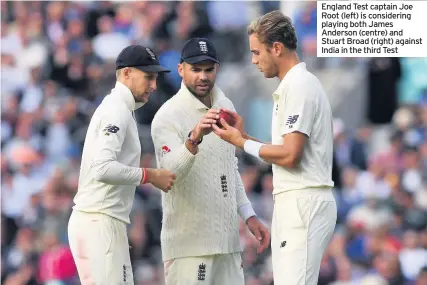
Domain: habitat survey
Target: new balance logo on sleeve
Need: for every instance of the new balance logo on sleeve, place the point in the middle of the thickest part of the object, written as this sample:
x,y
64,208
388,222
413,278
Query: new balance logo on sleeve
x,y
291,120
110,129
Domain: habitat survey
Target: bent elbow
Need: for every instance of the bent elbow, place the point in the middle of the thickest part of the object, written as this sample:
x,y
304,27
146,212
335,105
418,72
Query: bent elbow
x,y
293,163
290,162
99,176
100,170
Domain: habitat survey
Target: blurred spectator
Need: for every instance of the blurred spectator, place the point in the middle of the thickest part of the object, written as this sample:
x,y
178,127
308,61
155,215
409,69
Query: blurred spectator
x,y
412,257
422,277
305,22
56,262
384,74
351,150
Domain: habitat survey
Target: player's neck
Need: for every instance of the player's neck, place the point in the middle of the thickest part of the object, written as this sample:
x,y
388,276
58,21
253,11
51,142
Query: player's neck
x,y
206,100
286,64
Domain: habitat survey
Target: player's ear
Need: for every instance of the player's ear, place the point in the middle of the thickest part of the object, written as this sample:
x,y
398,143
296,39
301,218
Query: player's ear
x,y
216,67
278,48
181,69
126,72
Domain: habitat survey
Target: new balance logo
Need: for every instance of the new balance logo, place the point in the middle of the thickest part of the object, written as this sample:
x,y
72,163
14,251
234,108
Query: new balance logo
x,y
224,185
283,244
201,275
203,46
292,120
110,129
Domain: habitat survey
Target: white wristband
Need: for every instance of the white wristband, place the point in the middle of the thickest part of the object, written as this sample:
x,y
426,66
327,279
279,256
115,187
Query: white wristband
x,y
246,211
252,147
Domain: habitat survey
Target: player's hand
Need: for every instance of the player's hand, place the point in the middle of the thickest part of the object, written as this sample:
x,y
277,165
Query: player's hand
x,y
237,119
204,127
229,134
161,178
260,232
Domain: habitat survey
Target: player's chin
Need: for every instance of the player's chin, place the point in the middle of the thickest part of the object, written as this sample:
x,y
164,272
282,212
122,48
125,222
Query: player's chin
x,y
203,93
144,98
268,74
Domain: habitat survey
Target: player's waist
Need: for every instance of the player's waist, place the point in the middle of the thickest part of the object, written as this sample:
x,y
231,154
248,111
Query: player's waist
x,y
322,193
100,213
290,185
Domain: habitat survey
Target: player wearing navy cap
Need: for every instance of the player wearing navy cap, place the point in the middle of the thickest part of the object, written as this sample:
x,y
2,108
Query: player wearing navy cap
x,y
200,230
110,171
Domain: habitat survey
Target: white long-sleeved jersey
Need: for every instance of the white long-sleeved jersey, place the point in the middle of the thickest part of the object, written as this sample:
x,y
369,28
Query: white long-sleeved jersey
x,y
110,171
200,213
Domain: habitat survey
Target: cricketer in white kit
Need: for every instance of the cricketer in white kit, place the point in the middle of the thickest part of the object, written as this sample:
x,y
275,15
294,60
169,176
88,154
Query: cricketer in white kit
x,y
110,171
200,230
301,153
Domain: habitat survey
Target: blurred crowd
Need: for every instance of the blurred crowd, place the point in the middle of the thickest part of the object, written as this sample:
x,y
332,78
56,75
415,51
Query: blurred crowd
x,y
57,64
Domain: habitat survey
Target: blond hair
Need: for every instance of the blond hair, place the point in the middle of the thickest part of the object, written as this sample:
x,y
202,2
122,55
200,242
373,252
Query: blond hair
x,y
274,27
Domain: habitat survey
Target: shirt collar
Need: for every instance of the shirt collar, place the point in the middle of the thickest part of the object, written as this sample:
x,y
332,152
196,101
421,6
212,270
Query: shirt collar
x,y
287,78
216,95
124,94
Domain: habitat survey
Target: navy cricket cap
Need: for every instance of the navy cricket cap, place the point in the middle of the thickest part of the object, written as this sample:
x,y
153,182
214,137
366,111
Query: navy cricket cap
x,y
139,57
197,50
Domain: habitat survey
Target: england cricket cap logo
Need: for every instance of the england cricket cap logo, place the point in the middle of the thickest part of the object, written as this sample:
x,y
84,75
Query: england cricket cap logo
x,y
203,46
151,53
197,50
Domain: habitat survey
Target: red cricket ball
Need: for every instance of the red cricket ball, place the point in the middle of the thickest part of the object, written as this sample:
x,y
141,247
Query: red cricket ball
x,y
227,117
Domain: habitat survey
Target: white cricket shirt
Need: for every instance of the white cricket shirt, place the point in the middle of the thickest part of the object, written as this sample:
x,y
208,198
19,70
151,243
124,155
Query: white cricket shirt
x,y
110,169
300,104
200,213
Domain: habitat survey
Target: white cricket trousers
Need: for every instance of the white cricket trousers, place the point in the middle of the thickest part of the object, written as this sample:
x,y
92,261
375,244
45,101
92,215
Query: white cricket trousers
x,y
100,249
303,225
220,269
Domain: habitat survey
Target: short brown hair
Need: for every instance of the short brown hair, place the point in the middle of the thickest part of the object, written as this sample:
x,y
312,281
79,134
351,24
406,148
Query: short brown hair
x,y
274,27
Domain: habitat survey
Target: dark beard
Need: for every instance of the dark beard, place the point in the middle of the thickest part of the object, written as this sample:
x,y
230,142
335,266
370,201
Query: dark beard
x,y
198,96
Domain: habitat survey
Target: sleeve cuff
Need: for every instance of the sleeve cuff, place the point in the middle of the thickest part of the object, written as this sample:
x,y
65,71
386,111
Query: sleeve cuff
x,y
186,155
246,211
138,177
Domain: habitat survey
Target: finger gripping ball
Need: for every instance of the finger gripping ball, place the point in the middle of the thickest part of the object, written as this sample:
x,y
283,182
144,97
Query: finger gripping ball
x,y
227,117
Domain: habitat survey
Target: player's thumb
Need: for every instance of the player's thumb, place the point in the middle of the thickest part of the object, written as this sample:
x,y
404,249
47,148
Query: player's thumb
x,y
224,123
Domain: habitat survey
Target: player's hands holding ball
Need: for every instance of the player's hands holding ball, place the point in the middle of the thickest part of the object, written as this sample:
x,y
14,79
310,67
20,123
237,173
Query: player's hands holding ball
x,y
231,128
204,126
233,119
161,178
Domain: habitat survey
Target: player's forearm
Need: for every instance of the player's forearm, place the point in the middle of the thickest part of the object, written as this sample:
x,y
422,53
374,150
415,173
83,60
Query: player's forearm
x,y
114,173
241,197
279,155
244,206
248,137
